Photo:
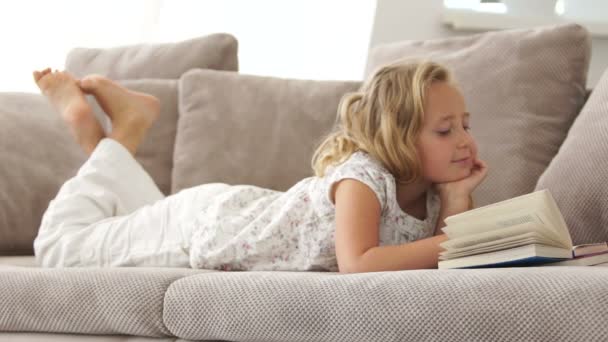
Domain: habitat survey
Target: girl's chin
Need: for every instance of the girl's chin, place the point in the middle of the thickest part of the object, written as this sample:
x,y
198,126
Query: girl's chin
x,y
455,176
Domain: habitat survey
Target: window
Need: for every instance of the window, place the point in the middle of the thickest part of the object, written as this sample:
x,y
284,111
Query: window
x,y
485,15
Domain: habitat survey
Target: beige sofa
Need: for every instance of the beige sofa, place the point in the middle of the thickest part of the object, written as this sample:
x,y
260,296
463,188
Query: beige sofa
x,y
526,91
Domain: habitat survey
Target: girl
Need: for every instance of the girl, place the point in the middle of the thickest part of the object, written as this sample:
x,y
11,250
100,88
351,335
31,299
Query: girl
x,y
401,161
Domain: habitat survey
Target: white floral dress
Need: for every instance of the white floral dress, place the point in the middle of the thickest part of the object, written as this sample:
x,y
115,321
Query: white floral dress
x,y
255,229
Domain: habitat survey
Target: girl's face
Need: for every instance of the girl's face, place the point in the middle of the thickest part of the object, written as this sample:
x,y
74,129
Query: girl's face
x,y
445,146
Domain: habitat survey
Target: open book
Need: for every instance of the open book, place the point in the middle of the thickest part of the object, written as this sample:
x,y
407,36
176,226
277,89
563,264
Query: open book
x,y
521,231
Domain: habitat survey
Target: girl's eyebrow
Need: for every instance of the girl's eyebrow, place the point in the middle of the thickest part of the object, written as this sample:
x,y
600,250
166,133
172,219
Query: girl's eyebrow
x,y
451,116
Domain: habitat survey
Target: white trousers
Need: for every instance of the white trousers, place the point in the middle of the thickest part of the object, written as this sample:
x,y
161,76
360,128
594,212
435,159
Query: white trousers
x,y
113,214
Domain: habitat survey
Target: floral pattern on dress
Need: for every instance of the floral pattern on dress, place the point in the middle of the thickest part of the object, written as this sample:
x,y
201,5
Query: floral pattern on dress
x,y
248,228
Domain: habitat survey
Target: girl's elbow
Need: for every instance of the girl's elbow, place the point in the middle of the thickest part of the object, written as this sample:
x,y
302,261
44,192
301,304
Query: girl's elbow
x,y
351,266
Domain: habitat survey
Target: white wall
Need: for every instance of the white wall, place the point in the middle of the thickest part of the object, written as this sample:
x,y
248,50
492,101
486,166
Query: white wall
x,y
409,19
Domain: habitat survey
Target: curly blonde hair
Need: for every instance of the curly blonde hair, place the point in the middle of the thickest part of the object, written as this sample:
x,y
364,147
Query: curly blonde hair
x,y
384,119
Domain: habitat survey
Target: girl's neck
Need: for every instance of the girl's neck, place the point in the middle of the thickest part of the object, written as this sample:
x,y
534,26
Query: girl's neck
x,y
412,198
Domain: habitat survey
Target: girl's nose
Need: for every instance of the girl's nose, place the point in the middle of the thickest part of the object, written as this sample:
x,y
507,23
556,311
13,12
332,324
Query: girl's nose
x,y
465,138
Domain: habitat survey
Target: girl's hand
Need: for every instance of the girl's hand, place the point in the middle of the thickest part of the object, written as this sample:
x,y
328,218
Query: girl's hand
x,y
464,187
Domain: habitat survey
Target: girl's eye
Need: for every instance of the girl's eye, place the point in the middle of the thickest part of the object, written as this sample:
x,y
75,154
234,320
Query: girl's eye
x,y
447,132
444,133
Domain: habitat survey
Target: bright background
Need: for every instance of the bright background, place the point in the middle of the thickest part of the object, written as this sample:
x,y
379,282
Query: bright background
x,y
307,39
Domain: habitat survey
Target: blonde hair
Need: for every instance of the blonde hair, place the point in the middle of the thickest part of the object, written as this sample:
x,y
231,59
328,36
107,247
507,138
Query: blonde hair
x,y
384,119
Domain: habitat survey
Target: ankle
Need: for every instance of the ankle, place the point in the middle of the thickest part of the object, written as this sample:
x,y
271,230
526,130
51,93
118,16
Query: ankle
x,y
129,140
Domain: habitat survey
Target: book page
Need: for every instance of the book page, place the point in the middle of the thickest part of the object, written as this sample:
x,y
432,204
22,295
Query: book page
x,y
538,208
516,241
499,235
490,249
507,255
556,230
479,225
529,201
557,219
542,239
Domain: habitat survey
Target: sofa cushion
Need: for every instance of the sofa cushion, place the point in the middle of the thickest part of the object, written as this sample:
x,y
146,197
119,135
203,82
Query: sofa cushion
x,y
40,154
523,88
37,154
578,177
125,301
244,129
165,60
19,261
55,337
510,304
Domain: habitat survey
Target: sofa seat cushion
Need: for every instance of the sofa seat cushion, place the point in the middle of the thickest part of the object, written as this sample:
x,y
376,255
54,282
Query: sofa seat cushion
x,y
125,301
18,261
54,337
523,89
510,304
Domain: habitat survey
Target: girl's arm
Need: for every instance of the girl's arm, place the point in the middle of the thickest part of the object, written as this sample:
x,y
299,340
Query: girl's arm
x,y
357,226
455,207
421,254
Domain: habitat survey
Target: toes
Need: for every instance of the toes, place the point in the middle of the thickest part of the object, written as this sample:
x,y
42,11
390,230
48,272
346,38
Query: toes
x,y
40,74
86,84
89,83
86,87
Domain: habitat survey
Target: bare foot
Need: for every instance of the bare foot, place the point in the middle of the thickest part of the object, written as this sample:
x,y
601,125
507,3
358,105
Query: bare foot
x,y
64,94
132,113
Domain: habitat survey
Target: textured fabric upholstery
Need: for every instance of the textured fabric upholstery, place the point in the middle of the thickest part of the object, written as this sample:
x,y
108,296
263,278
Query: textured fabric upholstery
x,y
54,337
165,60
37,154
578,175
512,304
41,154
125,301
244,129
523,88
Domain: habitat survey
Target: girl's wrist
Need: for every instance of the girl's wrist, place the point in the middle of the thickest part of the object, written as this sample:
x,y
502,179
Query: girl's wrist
x,y
455,200
455,206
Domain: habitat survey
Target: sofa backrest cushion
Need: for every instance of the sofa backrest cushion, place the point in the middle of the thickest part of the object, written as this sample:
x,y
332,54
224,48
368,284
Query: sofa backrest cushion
x,y
38,154
166,60
523,88
244,129
578,175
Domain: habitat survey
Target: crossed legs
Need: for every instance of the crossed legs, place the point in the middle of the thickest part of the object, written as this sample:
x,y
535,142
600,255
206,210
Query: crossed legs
x,y
132,113
111,213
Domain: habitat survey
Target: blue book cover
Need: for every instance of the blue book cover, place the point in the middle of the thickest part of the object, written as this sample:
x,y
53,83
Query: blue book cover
x,y
530,261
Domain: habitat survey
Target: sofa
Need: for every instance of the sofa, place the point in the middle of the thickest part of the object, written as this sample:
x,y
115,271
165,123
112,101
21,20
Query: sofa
x,y
536,123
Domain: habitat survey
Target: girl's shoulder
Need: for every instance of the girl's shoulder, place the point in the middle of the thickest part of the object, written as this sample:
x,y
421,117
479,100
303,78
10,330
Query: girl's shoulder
x,y
360,160
364,168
